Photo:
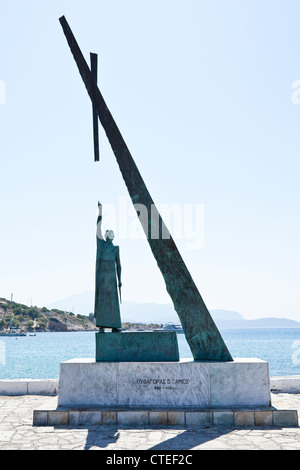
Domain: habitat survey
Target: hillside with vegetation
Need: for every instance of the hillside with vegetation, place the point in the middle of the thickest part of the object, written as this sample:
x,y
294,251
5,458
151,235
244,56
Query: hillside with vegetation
x,y
25,318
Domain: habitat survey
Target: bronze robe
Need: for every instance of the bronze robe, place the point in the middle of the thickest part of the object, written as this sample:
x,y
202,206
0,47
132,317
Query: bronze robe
x,y
107,309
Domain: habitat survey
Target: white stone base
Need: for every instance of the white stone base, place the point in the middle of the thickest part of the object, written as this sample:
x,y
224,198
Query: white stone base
x,y
29,387
154,385
289,384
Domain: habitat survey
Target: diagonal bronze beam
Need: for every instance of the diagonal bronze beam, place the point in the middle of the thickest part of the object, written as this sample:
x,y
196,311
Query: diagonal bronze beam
x,y
202,335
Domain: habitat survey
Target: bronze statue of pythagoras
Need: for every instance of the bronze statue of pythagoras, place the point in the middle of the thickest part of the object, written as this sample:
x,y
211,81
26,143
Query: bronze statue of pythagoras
x,y
108,270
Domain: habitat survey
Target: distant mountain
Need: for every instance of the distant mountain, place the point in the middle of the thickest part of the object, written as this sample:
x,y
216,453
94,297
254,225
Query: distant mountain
x,y
227,315
149,313
164,313
130,311
260,323
78,303
226,319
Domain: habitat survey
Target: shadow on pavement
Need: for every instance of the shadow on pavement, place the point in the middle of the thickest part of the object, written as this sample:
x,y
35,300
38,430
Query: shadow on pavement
x,y
192,437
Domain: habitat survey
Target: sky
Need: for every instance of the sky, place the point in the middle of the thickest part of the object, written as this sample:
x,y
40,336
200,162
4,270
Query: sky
x,y
205,96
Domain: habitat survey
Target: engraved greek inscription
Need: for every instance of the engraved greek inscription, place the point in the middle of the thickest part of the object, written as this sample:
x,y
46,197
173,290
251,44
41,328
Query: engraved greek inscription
x,y
163,384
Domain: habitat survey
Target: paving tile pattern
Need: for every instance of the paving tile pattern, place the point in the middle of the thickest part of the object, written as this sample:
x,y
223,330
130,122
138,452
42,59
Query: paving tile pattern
x,y
17,431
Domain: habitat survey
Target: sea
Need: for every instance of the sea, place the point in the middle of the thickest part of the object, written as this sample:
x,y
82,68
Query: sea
x,y
39,356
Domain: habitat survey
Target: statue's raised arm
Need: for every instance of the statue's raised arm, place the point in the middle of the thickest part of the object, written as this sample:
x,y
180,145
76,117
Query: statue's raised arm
x,y
99,222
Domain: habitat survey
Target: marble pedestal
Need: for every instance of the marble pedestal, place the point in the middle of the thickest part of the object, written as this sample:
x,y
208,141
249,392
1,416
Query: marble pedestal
x,y
184,384
185,393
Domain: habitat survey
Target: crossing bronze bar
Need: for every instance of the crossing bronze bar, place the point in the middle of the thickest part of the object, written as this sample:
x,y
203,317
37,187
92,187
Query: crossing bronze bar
x,y
94,70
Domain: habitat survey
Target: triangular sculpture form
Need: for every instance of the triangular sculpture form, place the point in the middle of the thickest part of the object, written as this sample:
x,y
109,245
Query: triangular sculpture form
x,y
202,335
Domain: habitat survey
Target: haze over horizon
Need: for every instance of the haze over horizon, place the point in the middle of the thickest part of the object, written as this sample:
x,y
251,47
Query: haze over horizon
x,y
130,310
205,95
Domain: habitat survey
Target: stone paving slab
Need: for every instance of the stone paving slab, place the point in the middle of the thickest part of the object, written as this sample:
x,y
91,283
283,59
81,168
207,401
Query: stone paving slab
x,y
17,431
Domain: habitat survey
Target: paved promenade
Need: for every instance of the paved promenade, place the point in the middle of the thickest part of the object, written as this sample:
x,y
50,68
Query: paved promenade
x,y
17,432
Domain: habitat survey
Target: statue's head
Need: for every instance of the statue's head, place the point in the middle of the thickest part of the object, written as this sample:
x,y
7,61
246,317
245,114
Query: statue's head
x,y
109,235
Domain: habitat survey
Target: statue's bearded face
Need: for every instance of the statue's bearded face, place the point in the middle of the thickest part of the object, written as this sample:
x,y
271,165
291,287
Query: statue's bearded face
x,y
109,234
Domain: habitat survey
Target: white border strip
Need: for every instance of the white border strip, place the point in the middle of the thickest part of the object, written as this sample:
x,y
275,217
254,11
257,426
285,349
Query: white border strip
x,y
29,387
288,384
